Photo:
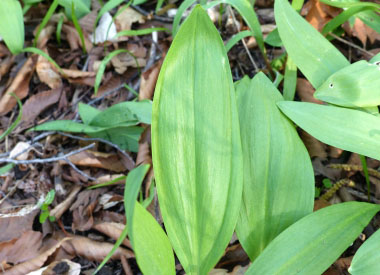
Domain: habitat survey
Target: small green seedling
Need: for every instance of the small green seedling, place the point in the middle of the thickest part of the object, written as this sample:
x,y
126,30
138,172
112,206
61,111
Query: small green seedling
x,y
45,207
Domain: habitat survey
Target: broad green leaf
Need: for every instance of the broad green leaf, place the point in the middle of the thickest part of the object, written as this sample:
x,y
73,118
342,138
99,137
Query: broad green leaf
x,y
132,186
273,38
152,248
278,176
125,135
348,129
316,57
367,259
356,85
371,19
375,59
196,145
87,112
82,7
140,111
12,25
313,243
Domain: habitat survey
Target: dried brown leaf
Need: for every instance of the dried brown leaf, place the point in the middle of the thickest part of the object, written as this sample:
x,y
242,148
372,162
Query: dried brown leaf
x,y
306,91
61,208
99,160
148,81
38,103
47,73
124,60
320,203
73,38
19,85
35,263
314,146
12,225
5,65
93,250
65,267
22,249
112,230
127,17
319,14
84,207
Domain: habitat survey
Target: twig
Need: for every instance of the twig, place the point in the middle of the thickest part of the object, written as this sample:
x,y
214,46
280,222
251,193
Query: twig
x,y
350,44
355,168
152,52
53,159
155,17
244,44
100,140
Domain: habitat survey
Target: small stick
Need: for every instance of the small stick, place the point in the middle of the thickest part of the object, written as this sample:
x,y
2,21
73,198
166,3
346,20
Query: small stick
x,y
355,168
350,44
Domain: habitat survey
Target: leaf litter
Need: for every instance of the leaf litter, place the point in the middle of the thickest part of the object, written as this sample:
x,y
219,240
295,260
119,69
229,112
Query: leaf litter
x,y
88,222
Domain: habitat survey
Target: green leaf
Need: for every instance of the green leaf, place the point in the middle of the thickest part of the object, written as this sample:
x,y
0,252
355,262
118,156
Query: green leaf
x,y
6,168
310,51
50,197
313,243
154,253
196,145
290,79
46,19
348,129
236,38
273,38
131,111
43,54
43,216
77,26
139,32
16,122
132,186
82,7
367,259
87,113
356,85
278,175
12,25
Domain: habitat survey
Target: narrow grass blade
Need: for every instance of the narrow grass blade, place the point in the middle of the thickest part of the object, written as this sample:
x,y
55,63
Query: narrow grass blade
x,y
236,38
312,244
316,57
16,122
139,32
45,55
348,129
350,3
82,7
290,79
278,175
77,27
12,25
367,259
343,17
59,29
196,145
46,19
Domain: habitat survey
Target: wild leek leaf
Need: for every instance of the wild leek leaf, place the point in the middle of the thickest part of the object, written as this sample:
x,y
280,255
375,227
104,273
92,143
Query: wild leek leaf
x,y
278,176
356,85
316,57
12,25
312,244
367,259
196,145
348,129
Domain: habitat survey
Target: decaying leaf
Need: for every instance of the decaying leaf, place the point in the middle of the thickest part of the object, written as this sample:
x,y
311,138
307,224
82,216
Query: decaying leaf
x,y
320,13
65,267
112,230
106,161
19,85
35,263
306,91
148,81
12,225
37,103
47,73
127,17
58,211
93,250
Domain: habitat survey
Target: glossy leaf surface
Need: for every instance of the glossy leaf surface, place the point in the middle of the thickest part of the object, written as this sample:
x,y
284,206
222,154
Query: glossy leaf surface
x,y
312,244
348,129
367,259
278,177
196,145
316,57
357,85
